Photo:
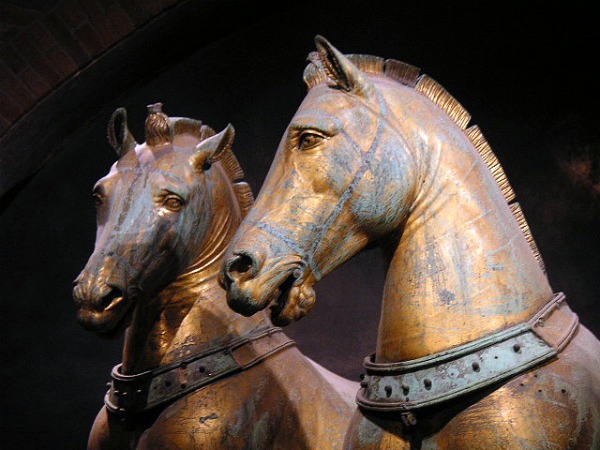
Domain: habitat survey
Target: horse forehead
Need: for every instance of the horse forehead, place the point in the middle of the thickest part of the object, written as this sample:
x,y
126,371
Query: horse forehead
x,y
176,164
324,97
149,177
324,101
144,155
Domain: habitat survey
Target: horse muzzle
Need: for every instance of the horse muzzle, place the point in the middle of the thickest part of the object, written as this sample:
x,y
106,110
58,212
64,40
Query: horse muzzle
x,y
239,278
102,306
253,286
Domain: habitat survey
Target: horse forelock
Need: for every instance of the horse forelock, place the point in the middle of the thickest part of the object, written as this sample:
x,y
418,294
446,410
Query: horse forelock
x,y
162,130
182,125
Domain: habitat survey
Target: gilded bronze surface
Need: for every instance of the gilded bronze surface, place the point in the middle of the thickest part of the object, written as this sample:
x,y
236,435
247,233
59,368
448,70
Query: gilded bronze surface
x,y
166,212
379,155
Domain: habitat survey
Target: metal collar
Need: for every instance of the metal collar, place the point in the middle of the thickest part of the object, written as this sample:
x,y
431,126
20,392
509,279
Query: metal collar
x,y
134,394
410,385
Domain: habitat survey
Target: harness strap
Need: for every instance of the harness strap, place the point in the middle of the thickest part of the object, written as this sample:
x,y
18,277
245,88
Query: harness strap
x,y
409,385
134,394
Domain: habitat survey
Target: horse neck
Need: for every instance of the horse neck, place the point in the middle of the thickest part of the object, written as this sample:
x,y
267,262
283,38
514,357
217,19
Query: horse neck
x,y
462,268
190,315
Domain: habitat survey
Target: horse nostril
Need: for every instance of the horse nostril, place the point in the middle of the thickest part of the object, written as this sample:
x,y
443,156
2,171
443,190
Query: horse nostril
x,y
241,264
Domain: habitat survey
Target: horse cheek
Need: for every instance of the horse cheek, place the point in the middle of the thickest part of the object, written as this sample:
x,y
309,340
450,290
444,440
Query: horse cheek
x,y
379,206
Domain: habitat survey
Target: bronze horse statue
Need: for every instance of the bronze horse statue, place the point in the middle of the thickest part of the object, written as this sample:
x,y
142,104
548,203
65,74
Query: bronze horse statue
x,y
194,375
474,351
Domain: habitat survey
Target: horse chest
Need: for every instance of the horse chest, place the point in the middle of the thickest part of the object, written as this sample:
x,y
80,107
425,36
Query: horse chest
x,y
537,410
225,415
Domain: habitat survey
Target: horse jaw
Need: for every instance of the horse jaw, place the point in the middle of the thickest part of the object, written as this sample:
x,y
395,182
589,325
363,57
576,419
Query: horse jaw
x,y
298,302
287,302
282,287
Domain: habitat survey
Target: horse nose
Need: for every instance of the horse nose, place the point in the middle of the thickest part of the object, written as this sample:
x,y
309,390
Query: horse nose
x,y
242,266
96,295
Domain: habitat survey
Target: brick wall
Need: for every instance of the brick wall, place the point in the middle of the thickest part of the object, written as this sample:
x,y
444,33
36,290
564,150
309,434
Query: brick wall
x,y
47,42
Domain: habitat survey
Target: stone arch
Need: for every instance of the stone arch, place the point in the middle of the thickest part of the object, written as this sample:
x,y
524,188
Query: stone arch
x,y
62,60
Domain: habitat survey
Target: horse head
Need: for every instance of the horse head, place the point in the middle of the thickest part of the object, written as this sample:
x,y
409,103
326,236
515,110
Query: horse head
x,y
378,154
154,208
342,177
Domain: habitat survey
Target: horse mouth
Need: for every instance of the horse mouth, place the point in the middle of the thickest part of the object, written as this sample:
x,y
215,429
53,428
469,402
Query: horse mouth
x,y
290,298
277,306
110,318
295,300
118,326
112,302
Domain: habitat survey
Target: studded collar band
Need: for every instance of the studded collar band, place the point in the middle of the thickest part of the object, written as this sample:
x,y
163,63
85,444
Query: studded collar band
x,y
134,394
410,385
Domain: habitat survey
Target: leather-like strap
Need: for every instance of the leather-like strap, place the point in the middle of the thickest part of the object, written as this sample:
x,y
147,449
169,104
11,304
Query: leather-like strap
x,y
555,323
133,394
414,384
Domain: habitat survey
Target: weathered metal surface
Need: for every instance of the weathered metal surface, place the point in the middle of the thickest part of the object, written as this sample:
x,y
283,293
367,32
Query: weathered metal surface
x,y
379,155
166,212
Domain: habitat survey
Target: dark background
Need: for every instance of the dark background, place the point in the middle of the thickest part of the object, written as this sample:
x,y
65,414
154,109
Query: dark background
x,y
526,73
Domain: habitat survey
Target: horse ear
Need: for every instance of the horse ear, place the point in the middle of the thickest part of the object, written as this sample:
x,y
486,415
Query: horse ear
x,y
210,150
118,132
342,71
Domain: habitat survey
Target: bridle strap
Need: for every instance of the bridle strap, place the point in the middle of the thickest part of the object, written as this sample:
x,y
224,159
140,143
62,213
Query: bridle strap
x,y
137,393
409,385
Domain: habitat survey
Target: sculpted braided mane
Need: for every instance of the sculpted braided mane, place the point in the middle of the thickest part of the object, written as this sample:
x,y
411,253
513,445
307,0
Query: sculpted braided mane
x,y
317,73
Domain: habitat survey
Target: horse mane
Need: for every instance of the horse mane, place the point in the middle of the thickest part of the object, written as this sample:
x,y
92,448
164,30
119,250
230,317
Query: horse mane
x,y
410,76
179,126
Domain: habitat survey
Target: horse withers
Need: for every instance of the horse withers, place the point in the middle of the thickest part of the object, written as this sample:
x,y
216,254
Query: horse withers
x,y
194,374
474,349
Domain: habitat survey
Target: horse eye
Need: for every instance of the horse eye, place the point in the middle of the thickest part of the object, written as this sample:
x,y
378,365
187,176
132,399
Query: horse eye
x,y
309,140
173,202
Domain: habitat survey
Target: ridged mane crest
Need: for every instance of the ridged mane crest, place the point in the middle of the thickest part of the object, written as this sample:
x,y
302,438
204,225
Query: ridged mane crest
x,y
403,73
